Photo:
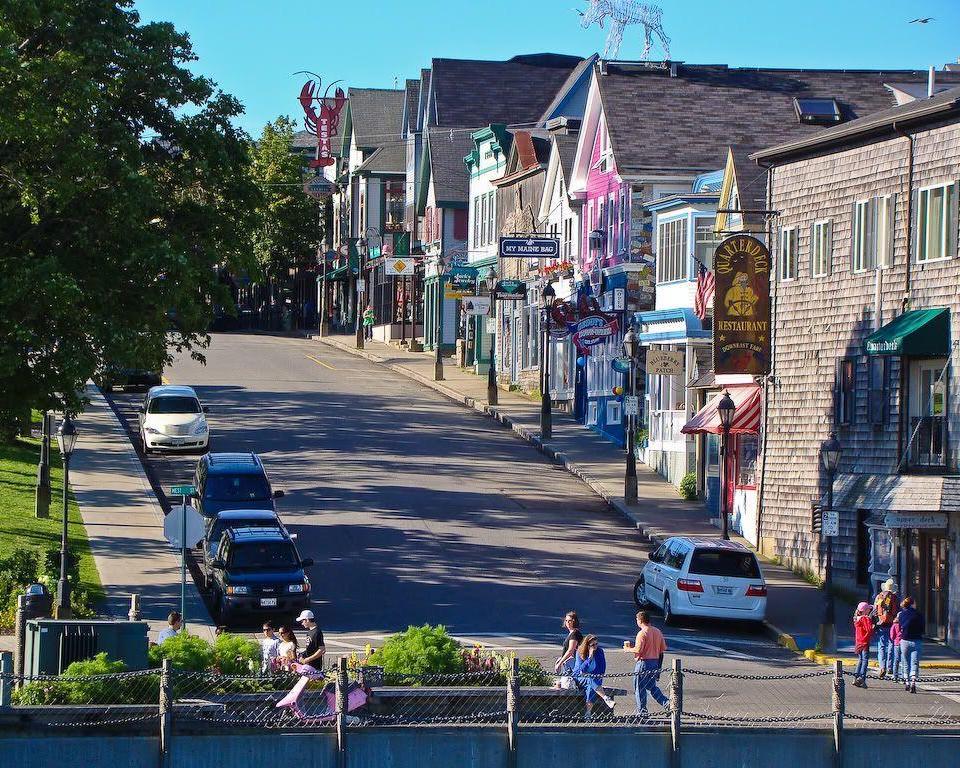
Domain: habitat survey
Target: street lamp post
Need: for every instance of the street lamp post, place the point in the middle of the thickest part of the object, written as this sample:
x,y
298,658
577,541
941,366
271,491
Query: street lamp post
x,y
546,416
630,348
492,395
362,248
725,408
67,440
438,333
830,458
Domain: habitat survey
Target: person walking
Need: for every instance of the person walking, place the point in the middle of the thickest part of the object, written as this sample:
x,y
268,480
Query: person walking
x,y
174,625
648,649
886,606
862,630
313,652
368,320
895,636
565,661
269,648
912,625
589,666
287,649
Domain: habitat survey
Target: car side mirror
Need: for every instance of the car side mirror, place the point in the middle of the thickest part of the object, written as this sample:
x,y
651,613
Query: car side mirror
x,y
217,563
294,536
306,562
206,409
278,494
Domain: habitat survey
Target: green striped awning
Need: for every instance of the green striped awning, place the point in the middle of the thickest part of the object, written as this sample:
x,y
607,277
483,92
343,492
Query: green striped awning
x,y
919,333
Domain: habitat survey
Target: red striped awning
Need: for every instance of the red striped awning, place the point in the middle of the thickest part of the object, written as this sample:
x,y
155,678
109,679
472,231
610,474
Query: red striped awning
x,y
746,418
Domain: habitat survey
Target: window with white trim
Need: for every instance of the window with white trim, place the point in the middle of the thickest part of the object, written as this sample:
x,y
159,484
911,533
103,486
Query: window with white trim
x,y
612,226
567,238
936,222
491,217
672,250
483,220
821,248
592,413
623,228
705,242
614,412
477,221
885,226
863,256
788,253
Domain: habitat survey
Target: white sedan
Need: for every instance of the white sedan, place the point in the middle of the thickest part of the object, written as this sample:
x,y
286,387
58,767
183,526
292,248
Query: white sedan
x,y
172,419
712,578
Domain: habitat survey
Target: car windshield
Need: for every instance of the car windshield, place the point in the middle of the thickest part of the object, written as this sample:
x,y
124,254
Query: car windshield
x,y
221,525
175,405
236,488
264,555
718,562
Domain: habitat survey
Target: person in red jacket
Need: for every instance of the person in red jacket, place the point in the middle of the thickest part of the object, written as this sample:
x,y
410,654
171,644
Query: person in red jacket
x,y
862,631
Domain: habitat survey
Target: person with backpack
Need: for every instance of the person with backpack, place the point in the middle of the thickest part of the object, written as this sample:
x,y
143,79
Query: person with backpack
x,y
886,606
862,630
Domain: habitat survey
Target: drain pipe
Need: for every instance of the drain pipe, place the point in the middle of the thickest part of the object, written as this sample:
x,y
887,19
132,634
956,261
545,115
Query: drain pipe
x,y
905,302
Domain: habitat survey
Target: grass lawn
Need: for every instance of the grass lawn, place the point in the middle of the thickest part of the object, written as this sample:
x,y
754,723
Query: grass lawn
x,y
19,524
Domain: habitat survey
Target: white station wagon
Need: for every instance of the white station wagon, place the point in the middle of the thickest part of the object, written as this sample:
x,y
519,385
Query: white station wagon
x,y
172,419
712,578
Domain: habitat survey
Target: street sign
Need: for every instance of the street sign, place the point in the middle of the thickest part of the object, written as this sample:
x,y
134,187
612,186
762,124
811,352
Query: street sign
x,y
399,265
175,530
830,523
529,248
182,490
510,290
631,405
492,326
664,362
318,187
361,285
476,305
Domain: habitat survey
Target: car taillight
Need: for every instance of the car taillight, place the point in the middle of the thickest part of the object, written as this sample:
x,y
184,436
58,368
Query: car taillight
x,y
689,585
756,590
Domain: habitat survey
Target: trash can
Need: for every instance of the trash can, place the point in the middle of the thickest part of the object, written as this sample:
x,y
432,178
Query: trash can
x,y
39,602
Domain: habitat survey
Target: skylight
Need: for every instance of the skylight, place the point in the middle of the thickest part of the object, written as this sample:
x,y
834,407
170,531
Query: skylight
x,y
817,111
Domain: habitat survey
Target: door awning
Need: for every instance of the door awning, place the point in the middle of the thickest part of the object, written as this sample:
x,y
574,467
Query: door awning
x,y
746,417
920,333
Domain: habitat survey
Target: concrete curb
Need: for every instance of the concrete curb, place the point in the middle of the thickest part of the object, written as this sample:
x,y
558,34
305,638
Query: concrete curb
x,y
829,661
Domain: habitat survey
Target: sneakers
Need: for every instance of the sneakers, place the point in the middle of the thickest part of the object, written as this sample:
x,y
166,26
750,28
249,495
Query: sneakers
x,y
906,685
860,682
913,687
883,674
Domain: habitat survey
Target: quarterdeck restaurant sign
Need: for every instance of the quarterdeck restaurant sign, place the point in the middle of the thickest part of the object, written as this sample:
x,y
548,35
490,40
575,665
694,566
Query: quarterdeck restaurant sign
x,y
741,307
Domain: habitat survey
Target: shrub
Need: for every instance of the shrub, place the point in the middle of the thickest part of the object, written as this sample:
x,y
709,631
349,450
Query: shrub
x,y
688,486
89,689
236,655
532,672
420,651
187,653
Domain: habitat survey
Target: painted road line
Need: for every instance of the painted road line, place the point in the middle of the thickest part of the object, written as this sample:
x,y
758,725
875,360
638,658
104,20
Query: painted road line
x,y
320,362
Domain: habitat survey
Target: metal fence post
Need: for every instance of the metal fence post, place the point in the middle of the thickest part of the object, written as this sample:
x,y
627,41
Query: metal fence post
x,y
20,637
839,705
341,697
6,678
513,702
165,711
676,703
134,613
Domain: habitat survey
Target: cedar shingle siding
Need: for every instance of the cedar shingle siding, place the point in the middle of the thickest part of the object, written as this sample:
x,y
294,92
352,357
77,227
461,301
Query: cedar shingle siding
x,y
819,321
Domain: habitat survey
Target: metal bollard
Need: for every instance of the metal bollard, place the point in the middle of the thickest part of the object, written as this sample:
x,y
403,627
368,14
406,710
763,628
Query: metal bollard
x,y
676,703
20,637
341,698
839,705
165,711
134,613
6,678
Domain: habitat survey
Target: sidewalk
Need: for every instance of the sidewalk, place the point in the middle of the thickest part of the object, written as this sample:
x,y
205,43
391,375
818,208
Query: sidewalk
x,y
794,606
124,523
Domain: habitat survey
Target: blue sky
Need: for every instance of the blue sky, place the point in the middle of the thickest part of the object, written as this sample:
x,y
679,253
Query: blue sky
x,y
251,48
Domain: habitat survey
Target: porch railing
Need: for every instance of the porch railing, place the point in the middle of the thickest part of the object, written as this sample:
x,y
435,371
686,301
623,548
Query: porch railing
x,y
928,448
665,426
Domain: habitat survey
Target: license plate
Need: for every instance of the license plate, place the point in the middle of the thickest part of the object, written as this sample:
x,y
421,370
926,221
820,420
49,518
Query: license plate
x,y
723,590
268,602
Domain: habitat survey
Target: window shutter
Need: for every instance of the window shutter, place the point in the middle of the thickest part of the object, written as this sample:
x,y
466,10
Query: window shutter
x,y
915,208
813,249
460,224
837,383
853,236
828,253
952,221
892,230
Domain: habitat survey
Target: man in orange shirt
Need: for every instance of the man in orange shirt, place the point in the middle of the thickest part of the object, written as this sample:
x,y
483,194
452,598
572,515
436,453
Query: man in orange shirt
x,y
648,650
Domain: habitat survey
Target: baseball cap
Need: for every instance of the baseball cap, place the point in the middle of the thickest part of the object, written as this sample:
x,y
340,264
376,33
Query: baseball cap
x,y
305,615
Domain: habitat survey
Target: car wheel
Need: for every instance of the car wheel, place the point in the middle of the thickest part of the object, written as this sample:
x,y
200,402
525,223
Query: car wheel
x,y
640,593
668,617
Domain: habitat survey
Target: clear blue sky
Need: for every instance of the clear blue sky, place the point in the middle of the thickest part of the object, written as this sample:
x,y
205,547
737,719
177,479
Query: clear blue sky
x,y
251,48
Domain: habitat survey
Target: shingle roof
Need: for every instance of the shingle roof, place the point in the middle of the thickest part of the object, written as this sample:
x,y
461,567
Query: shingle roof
x,y
304,139
376,115
451,183
412,104
473,93
424,95
390,158
750,107
924,109
567,149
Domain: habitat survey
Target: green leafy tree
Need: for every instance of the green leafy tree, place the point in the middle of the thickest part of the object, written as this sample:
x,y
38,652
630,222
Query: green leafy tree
x,y
125,197
286,234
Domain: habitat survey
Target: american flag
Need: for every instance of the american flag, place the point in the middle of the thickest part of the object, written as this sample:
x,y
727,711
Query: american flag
x,y
706,286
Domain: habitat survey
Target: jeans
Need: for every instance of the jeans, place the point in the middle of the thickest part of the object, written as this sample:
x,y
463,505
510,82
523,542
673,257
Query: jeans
x,y
863,659
884,648
646,673
897,670
910,654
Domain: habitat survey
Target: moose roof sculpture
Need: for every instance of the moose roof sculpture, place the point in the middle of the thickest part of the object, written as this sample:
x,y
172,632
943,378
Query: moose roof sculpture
x,y
623,13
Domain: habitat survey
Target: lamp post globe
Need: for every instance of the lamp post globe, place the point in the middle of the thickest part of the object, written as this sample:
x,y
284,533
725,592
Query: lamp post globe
x,y
547,296
493,397
66,441
726,408
830,454
630,344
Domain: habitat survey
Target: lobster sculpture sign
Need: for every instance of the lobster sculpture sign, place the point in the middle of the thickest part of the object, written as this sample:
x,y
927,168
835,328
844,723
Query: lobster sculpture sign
x,y
324,124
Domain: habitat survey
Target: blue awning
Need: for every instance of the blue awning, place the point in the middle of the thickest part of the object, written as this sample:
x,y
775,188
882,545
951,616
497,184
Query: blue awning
x,y
666,326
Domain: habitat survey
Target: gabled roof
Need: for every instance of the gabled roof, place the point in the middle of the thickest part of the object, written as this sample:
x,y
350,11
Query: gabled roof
x,y
473,93
942,106
390,158
423,98
444,150
682,116
566,144
304,140
376,115
529,153
411,105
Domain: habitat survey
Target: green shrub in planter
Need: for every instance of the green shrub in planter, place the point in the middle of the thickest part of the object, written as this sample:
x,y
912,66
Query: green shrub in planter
x,y
422,650
236,655
187,653
532,672
88,688
688,486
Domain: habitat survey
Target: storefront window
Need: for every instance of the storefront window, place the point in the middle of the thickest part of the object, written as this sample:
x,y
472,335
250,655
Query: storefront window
x,y
747,446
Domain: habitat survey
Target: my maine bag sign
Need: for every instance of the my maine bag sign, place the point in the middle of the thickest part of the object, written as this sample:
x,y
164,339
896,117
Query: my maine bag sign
x,y
741,307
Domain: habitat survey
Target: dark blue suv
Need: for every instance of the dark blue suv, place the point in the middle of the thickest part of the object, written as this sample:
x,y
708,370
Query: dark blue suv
x,y
232,481
258,570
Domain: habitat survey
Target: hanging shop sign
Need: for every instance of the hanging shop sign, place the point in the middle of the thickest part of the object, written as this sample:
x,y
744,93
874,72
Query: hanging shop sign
x,y
741,309
398,265
476,305
322,124
460,282
529,248
510,290
591,329
664,362
915,520
318,187
620,364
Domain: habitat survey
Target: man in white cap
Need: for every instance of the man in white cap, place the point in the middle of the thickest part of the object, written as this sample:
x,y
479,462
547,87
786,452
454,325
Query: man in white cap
x,y
885,608
314,650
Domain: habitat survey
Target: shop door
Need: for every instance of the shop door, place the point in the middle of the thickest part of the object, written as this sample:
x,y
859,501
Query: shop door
x,y
935,595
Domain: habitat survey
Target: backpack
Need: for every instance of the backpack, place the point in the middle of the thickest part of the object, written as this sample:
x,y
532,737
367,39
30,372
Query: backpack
x,y
886,607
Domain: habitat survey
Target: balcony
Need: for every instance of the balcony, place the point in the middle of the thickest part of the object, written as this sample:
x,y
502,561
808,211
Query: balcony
x,y
665,427
928,448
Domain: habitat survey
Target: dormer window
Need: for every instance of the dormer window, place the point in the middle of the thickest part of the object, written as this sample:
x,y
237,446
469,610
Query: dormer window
x,y
817,111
